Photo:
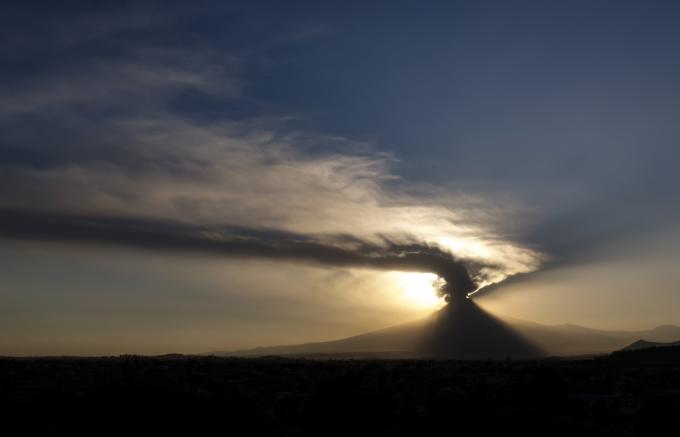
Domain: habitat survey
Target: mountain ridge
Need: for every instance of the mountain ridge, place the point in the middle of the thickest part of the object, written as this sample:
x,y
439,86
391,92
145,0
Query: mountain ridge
x,y
645,344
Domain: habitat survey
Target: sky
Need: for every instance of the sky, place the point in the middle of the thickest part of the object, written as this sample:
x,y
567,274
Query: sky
x,y
180,177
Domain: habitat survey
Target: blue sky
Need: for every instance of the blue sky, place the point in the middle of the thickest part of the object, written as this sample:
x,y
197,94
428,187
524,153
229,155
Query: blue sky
x,y
537,140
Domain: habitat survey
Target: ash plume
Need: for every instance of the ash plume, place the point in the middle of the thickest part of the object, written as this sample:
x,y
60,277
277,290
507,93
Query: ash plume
x,y
239,242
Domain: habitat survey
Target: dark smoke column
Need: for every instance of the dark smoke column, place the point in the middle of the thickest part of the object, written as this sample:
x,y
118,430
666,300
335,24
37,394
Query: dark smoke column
x,y
457,282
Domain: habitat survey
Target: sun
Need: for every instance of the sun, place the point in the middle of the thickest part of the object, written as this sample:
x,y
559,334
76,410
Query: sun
x,y
419,289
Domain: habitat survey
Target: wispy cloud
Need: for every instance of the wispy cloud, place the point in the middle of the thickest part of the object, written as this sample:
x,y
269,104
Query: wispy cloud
x,y
104,135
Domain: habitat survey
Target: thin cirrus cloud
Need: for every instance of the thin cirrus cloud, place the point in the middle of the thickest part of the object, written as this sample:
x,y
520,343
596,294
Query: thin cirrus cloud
x,y
187,173
107,134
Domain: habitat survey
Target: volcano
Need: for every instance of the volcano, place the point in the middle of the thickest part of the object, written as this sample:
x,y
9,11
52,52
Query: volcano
x,y
463,330
460,330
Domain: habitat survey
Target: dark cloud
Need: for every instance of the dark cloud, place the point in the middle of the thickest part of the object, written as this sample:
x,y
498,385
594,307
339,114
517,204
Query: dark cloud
x,y
241,242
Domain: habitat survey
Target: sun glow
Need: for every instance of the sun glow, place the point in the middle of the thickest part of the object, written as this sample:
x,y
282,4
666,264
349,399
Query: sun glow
x,y
419,289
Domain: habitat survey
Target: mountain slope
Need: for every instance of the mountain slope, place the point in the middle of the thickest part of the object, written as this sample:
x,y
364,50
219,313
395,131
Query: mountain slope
x,y
401,338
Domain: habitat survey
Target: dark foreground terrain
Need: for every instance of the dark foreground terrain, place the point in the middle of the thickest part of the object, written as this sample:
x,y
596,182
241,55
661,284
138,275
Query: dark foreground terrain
x,y
627,393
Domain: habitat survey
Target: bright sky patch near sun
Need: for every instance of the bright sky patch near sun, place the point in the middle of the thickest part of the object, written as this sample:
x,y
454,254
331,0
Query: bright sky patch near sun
x,y
419,289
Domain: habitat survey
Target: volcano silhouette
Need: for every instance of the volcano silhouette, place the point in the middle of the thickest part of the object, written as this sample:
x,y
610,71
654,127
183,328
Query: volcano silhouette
x,y
462,330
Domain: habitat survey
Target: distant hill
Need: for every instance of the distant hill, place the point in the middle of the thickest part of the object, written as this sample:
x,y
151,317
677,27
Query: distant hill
x,y
568,339
644,344
666,355
465,331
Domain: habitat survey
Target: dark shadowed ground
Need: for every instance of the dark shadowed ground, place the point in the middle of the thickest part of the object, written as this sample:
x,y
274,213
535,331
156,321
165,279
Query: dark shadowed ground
x,y
463,330
629,393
